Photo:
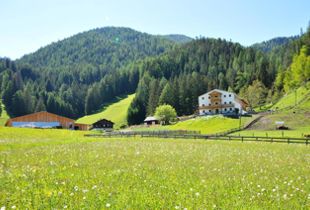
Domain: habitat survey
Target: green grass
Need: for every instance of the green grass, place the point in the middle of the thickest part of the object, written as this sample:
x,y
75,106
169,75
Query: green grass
x,y
56,169
116,112
297,119
289,99
4,116
206,125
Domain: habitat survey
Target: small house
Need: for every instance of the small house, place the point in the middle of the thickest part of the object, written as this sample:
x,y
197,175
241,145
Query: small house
x,y
151,121
102,124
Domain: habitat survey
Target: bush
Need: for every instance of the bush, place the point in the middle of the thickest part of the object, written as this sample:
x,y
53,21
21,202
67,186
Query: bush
x,y
165,113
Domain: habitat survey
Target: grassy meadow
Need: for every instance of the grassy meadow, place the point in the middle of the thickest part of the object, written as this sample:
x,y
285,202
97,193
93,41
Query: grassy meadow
x,y
61,169
116,112
206,124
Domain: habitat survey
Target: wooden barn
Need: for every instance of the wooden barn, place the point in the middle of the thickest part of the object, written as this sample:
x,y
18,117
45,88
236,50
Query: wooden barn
x,y
44,120
102,124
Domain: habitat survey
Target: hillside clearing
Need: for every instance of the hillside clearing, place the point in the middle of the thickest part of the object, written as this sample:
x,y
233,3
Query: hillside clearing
x,y
62,169
116,112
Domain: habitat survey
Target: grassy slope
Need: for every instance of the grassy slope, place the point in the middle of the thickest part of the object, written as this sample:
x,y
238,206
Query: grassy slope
x,y
4,116
116,112
206,125
289,99
296,118
56,169
210,125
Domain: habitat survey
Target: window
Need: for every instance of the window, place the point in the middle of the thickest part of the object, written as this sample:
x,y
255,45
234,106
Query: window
x,y
209,104
229,95
215,96
209,97
209,110
216,103
230,102
225,102
203,98
203,105
225,109
203,111
230,109
224,96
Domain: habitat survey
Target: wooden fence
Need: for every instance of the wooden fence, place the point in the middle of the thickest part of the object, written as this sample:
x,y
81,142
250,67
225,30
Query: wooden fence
x,y
196,135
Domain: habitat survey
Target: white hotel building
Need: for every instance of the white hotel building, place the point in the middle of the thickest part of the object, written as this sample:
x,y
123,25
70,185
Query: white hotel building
x,y
221,102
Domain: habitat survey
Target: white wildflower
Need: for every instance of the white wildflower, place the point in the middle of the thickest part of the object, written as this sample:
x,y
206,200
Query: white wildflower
x,y
2,208
65,206
76,188
13,207
177,207
197,194
94,187
107,205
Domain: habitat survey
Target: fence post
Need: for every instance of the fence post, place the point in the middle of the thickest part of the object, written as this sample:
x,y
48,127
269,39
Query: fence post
x,y
288,140
242,138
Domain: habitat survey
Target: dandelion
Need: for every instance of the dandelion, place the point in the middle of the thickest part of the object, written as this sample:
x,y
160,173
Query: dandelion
x,y
107,205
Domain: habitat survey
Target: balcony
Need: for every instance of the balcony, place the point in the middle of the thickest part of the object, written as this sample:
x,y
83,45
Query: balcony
x,y
218,106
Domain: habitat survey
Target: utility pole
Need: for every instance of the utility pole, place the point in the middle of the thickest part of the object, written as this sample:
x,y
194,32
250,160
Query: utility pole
x,y
295,97
239,120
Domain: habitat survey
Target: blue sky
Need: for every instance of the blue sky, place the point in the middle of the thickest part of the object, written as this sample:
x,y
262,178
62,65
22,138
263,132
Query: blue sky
x,y
27,25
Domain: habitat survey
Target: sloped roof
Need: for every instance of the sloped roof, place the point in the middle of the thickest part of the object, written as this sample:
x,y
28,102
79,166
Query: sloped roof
x,y
150,118
217,90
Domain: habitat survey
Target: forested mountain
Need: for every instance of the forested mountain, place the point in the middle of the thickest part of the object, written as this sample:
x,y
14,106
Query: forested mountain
x,y
63,76
267,46
179,76
178,38
75,76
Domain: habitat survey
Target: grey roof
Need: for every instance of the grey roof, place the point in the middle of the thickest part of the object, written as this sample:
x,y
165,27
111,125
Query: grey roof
x,y
150,118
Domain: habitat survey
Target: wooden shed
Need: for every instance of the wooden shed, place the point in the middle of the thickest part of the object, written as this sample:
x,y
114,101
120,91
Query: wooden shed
x,y
151,121
43,120
103,124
